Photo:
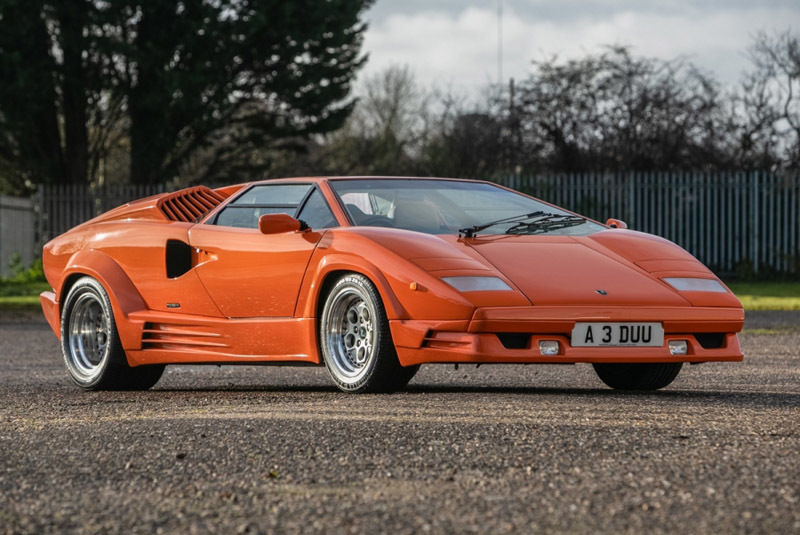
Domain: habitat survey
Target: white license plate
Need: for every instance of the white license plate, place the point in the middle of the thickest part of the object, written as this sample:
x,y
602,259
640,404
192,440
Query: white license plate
x,y
618,335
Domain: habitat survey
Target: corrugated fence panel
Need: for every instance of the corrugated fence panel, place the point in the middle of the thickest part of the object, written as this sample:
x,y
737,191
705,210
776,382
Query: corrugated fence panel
x,y
62,207
736,222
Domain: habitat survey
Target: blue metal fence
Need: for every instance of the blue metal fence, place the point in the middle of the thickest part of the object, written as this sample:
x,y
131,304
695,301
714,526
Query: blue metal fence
x,y
735,222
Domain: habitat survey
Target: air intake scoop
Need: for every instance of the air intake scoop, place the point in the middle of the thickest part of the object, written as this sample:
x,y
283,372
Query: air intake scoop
x,y
189,205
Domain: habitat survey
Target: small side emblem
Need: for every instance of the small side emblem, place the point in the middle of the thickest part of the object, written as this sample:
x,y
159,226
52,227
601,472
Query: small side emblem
x,y
602,292
173,305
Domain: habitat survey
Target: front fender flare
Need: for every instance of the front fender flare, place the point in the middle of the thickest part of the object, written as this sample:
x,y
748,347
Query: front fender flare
x,y
310,291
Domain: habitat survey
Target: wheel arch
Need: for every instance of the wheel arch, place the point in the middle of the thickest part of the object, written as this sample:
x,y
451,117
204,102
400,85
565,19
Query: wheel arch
x,y
330,269
122,293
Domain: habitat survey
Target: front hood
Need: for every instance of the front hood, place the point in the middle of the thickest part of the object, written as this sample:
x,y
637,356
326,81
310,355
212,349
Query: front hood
x,y
566,270
607,268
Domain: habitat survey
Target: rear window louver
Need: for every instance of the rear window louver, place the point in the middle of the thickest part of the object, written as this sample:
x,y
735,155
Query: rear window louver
x,y
189,205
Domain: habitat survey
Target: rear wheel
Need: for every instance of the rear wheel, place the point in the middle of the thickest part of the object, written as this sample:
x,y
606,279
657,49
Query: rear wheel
x,y
355,341
91,346
647,376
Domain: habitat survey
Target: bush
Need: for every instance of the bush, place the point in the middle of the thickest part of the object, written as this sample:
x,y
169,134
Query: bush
x,y
21,274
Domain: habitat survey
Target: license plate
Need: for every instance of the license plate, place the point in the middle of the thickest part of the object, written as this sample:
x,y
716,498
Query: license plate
x,y
618,335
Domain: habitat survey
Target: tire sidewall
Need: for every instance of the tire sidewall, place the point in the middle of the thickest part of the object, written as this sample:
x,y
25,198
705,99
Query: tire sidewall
x,y
94,288
367,292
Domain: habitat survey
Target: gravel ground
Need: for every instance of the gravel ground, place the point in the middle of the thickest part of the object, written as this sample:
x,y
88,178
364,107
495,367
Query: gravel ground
x,y
498,449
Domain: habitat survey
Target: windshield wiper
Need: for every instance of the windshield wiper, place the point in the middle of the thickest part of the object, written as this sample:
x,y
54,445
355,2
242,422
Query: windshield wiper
x,y
525,223
469,232
547,223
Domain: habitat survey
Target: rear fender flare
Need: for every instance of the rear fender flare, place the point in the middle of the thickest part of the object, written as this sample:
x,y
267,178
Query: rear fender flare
x,y
122,293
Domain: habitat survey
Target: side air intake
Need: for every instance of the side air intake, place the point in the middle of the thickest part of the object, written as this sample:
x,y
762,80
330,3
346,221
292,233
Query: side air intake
x,y
190,204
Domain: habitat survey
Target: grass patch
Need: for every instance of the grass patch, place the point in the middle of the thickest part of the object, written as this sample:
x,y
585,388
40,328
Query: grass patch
x,y
782,330
768,295
20,301
20,307
10,289
21,297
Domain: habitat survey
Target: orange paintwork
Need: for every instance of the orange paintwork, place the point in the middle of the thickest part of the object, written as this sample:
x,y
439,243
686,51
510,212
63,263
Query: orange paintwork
x,y
247,297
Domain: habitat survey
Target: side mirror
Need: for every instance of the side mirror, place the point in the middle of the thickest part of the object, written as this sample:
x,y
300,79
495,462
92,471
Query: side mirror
x,y
279,224
616,223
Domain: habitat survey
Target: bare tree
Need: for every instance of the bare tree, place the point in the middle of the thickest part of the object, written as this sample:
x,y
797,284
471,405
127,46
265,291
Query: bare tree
x,y
614,111
772,97
385,134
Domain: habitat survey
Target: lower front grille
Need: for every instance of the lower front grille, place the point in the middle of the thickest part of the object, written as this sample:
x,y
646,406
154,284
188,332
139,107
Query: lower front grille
x,y
710,340
514,340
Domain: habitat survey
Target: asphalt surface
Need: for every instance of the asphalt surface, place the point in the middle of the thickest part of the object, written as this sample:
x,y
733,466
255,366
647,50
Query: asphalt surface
x,y
517,449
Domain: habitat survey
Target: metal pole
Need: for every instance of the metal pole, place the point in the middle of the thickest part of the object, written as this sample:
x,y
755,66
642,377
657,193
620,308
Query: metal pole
x,y
500,43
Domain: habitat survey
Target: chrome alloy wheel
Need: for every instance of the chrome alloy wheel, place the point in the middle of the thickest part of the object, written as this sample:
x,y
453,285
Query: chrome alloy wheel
x,y
350,333
88,336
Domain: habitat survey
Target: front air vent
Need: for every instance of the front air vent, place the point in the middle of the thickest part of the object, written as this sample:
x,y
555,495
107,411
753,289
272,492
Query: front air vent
x,y
189,205
711,340
514,340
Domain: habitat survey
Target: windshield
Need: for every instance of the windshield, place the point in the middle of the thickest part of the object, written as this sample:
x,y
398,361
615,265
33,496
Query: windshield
x,y
452,207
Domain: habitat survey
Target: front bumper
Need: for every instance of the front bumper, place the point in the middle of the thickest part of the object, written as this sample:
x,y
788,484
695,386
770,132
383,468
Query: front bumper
x,y
479,339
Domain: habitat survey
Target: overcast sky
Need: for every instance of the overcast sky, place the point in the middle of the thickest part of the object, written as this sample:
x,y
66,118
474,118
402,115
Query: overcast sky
x,y
455,43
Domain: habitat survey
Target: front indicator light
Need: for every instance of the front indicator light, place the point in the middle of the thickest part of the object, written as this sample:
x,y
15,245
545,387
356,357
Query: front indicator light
x,y
548,347
678,347
476,284
687,284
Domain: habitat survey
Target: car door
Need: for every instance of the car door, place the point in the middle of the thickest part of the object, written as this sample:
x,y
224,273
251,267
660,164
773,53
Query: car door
x,y
249,274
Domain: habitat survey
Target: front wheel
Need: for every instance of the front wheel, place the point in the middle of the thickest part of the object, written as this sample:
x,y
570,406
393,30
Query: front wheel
x,y
355,341
646,376
91,346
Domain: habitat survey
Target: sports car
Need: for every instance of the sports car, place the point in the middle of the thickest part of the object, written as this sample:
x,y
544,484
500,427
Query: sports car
x,y
373,277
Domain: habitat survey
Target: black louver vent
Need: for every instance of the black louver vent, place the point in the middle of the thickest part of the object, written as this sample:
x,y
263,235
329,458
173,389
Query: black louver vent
x,y
189,205
166,336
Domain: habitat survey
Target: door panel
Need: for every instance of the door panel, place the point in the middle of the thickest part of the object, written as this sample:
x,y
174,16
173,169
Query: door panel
x,y
141,248
249,274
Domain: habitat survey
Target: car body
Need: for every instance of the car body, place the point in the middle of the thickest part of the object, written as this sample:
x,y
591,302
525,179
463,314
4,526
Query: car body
x,y
374,276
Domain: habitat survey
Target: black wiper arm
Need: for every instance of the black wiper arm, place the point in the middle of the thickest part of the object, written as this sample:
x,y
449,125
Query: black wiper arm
x,y
469,232
550,222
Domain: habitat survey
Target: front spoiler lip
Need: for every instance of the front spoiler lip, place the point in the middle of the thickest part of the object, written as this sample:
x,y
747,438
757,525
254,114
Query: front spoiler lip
x,y
476,341
562,319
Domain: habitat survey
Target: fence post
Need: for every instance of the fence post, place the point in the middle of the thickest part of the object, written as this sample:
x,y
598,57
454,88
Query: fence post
x,y
631,202
754,176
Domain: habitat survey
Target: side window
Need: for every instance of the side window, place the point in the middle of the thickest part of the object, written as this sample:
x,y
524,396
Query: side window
x,y
244,211
316,212
247,216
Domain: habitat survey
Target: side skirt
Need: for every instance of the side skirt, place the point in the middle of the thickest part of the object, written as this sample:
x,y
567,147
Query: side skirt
x,y
188,339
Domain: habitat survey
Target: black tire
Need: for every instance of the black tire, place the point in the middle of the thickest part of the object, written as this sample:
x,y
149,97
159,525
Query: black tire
x,y
647,376
91,346
355,341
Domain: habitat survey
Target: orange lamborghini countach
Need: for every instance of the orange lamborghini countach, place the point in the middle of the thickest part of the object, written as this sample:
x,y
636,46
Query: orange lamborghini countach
x,y
374,277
